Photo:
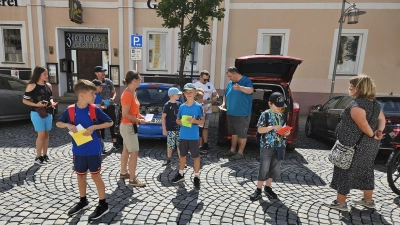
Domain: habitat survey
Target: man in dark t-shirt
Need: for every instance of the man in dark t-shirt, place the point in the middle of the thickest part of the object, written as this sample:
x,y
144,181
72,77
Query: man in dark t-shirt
x,y
168,121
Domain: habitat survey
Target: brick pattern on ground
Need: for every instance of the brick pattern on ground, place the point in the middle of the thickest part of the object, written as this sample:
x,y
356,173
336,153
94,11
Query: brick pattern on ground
x,y
31,194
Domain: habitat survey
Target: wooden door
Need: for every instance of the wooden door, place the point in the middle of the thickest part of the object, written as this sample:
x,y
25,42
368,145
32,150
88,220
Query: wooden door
x,y
87,60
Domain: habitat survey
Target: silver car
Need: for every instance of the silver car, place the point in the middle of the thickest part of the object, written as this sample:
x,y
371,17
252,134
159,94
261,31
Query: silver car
x,y
11,93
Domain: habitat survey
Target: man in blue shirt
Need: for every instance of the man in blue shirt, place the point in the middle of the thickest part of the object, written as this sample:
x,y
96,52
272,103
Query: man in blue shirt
x,y
237,101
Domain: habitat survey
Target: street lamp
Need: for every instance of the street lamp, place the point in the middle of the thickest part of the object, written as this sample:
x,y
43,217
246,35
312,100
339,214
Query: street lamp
x,y
352,14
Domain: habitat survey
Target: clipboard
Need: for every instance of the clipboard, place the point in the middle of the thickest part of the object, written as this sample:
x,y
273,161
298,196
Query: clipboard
x,y
283,130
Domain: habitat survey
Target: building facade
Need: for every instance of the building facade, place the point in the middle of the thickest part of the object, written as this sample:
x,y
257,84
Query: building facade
x,y
40,32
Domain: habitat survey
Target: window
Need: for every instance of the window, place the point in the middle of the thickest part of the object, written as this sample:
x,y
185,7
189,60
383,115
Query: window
x,y
389,104
351,52
273,41
331,103
12,45
152,95
344,102
16,85
157,51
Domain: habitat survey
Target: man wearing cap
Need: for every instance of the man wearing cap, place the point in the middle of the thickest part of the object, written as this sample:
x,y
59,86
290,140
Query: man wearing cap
x,y
107,95
238,100
210,96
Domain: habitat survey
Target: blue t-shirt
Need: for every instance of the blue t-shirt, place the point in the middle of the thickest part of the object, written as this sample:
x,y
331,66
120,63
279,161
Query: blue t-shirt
x,y
238,103
171,109
271,139
98,99
82,117
195,110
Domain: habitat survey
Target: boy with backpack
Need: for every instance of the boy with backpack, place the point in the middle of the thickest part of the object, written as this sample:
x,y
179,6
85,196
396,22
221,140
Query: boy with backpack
x,y
272,145
98,102
190,116
87,156
169,125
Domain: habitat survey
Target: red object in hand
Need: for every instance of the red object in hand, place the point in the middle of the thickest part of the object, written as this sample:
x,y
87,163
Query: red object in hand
x,y
283,130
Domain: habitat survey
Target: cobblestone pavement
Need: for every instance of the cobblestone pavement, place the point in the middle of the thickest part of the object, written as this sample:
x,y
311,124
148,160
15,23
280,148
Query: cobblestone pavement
x,y
43,195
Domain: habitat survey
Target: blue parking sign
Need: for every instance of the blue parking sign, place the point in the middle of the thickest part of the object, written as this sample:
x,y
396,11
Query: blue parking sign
x,y
136,41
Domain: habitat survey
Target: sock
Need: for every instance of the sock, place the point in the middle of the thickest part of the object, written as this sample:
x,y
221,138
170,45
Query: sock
x,y
83,199
102,201
196,174
181,172
258,190
267,188
205,144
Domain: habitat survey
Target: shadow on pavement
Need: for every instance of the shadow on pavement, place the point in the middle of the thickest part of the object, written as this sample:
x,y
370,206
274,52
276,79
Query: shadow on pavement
x,y
367,216
186,203
18,179
278,212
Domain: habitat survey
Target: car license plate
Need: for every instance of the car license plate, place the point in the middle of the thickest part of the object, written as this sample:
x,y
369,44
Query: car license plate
x,y
155,120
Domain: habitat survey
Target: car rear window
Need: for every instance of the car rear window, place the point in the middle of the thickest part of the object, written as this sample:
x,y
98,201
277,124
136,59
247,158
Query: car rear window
x,y
389,104
152,95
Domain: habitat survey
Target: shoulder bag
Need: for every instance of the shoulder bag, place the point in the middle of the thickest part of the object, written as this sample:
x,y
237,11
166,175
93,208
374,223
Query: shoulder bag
x,y
342,155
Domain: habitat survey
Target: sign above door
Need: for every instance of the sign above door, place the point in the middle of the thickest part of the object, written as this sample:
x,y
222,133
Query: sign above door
x,y
75,11
86,41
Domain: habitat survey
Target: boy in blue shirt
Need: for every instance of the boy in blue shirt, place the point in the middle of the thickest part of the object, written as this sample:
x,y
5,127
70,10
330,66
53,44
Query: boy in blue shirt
x,y
190,116
88,155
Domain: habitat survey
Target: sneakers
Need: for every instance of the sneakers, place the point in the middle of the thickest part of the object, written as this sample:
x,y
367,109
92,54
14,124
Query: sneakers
x,y
365,203
46,159
116,146
229,153
178,177
167,162
124,175
269,193
136,183
336,205
40,161
78,207
99,211
205,147
202,151
236,156
196,182
255,196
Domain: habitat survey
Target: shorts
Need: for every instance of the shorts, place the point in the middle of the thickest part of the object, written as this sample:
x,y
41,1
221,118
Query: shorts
x,y
131,141
41,124
173,139
189,145
89,162
201,131
238,125
207,120
269,164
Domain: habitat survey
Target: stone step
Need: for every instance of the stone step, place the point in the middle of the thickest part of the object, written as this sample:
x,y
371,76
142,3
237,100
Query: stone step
x,y
69,94
64,99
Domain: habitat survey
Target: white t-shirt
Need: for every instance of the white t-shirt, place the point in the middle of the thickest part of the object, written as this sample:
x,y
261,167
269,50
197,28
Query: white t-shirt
x,y
208,89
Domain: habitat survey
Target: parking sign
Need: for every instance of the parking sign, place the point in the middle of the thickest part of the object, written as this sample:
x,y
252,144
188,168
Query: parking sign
x,y
136,41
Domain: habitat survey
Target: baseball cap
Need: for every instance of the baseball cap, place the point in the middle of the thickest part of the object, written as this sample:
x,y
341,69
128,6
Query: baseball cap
x,y
98,82
99,69
277,99
189,86
174,91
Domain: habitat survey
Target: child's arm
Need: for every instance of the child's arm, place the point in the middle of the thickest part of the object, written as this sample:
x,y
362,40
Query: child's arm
x,y
178,121
164,128
92,128
262,122
70,127
198,122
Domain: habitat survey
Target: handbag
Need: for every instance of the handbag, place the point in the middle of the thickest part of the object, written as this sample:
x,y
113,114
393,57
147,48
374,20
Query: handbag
x,y
341,155
42,112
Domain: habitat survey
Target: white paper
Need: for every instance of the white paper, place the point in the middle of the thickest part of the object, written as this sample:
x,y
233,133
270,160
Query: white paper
x,y
148,117
78,127
221,108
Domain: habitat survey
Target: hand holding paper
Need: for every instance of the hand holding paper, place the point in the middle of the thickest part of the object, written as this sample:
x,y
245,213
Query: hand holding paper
x,y
148,117
186,121
80,137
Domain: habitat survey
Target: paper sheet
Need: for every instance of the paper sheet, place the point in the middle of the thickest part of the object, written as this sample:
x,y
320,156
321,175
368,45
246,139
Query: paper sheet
x,y
185,122
78,137
148,117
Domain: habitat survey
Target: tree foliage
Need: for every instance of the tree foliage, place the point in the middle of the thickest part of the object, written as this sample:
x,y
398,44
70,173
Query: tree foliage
x,y
193,20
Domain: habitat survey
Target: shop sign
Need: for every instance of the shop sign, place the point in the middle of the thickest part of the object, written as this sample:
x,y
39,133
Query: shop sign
x,y
75,11
86,41
8,3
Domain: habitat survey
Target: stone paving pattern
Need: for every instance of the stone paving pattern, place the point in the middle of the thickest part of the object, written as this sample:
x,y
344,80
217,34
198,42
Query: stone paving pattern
x,y
31,194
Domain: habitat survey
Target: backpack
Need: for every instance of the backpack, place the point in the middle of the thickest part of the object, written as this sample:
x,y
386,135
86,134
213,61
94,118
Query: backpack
x,y
92,113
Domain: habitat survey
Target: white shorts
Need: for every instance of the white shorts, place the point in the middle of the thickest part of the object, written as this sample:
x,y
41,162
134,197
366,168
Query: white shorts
x,y
131,141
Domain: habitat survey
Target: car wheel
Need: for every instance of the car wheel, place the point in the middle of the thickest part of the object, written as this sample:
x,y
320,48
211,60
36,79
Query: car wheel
x,y
309,128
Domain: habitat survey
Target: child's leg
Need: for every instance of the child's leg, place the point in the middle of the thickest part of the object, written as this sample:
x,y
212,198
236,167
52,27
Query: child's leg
x,y
182,162
177,143
265,163
196,166
169,153
82,184
268,182
101,189
170,143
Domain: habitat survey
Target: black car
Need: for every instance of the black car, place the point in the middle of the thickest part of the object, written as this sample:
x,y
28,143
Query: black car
x,y
323,120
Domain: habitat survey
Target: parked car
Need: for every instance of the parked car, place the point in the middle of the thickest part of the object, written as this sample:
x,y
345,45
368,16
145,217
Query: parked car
x,y
269,73
152,97
12,91
323,120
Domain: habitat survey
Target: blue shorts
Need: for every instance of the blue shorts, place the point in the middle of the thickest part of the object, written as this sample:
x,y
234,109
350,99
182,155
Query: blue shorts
x,y
173,139
89,162
41,124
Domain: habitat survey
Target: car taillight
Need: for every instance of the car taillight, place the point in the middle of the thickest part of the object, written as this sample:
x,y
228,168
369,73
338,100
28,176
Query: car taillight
x,y
296,107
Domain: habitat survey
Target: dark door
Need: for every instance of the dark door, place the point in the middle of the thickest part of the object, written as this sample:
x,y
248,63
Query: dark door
x,y
87,61
321,117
